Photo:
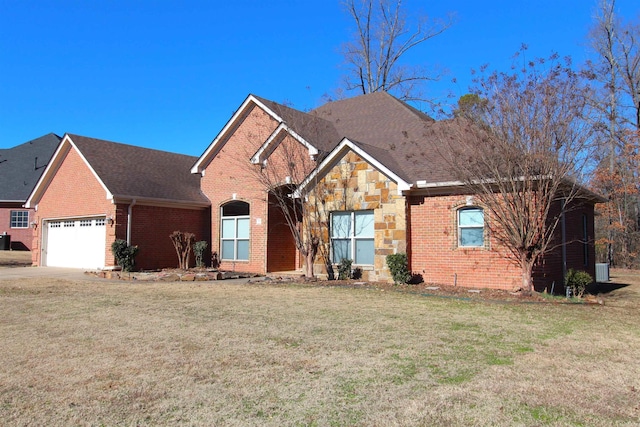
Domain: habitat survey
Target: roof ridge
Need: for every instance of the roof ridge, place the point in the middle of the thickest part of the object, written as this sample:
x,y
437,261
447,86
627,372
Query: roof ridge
x,y
415,111
71,135
420,114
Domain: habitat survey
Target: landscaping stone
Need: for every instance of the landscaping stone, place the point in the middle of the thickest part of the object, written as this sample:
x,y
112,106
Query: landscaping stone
x,y
173,275
170,278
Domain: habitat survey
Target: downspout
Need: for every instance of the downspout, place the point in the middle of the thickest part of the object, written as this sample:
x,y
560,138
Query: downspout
x,y
129,210
563,227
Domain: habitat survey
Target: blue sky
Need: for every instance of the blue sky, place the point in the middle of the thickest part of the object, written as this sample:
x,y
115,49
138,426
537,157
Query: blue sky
x,y
168,74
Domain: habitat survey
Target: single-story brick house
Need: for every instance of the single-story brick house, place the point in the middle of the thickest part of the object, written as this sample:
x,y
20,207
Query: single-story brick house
x,y
20,170
387,190
390,191
94,192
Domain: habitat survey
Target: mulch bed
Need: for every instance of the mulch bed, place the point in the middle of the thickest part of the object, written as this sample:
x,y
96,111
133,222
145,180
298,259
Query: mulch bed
x,y
424,289
171,275
443,291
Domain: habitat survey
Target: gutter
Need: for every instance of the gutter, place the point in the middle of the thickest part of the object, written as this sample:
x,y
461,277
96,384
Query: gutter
x,y
150,201
129,210
563,228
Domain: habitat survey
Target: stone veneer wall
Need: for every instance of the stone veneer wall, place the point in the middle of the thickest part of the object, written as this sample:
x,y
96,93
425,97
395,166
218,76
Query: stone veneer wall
x,y
353,184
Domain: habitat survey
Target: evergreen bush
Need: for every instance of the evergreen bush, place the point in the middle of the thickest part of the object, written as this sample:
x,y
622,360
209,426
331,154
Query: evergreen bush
x,y
344,269
124,254
198,250
577,281
399,268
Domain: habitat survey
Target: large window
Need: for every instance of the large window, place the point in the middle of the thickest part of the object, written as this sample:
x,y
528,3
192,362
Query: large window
x,y
471,227
234,232
352,237
19,219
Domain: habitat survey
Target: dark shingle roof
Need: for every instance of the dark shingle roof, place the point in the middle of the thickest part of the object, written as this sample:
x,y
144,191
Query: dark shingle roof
x,y
130,171
407,140
22,166
312,127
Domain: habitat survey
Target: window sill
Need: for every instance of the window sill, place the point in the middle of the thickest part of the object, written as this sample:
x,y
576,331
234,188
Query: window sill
x,y
363,267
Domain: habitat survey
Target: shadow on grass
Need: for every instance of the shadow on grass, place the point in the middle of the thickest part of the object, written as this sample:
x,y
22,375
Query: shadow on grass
x,y
605,288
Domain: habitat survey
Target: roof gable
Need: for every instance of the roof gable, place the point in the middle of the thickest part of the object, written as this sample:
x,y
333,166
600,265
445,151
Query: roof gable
x,y
22,166
127,172
367,153
399,137
301,126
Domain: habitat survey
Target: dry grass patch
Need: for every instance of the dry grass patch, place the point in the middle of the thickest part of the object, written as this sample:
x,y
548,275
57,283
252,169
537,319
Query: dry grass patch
x,y
15,258
221,354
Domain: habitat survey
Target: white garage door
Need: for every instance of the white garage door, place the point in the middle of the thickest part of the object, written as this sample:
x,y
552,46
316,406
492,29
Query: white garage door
x,y
78,243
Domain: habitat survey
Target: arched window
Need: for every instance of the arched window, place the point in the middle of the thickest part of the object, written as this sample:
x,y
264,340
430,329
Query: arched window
x,y
234,231
470,227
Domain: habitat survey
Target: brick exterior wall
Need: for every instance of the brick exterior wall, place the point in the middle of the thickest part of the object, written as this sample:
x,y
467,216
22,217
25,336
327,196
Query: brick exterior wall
x,y
230,176
435,255
434,251
150,230
580,253
75,192
21,238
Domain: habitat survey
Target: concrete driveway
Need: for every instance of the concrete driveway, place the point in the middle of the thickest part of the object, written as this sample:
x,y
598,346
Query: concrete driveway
x,y
18,273
14,273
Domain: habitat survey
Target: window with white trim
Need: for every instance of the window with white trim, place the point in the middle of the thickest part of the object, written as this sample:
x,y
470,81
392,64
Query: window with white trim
x,y
235,231
19,219
352,237
471,227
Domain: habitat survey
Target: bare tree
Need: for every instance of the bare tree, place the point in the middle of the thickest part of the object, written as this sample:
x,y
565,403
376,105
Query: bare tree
x,y
606,70
615,71
382,38
182,242
629,63
521,154
277,162
286,167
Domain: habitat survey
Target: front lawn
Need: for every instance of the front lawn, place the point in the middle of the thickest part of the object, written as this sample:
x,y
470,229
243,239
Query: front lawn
x,y
110,353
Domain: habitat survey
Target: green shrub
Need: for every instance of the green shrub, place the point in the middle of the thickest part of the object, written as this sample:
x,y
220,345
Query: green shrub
x,y
198,251
124,254
399,268
577,281
344,269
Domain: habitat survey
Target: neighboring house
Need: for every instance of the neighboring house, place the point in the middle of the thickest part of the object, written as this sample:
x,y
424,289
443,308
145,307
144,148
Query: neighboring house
x,y
389,191
94,192
20,169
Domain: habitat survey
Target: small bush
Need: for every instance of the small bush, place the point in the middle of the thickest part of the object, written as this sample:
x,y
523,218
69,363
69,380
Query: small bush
x,y
198,250
344,269
399,268
124,254
577,281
